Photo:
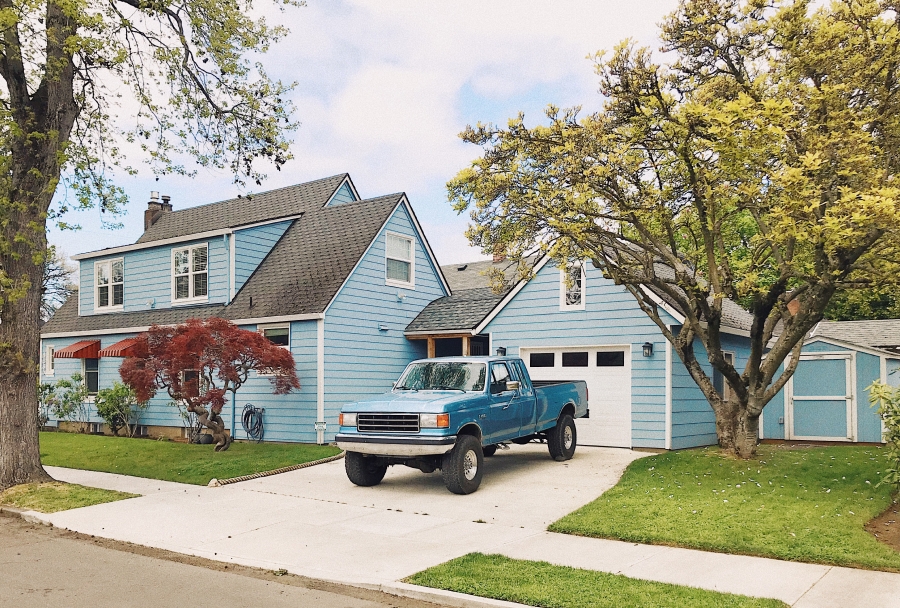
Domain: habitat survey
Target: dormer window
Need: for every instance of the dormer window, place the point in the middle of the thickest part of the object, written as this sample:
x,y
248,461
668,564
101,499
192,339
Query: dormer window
x,y
190,279
399,261
571,287
109,291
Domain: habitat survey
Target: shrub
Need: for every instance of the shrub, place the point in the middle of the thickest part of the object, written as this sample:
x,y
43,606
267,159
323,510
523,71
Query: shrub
x,y
68,400
45,403
887,398
119,408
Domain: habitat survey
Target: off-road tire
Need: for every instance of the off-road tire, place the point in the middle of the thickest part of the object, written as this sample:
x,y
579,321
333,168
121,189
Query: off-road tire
x,y
463,466
489,450
562,439
364,471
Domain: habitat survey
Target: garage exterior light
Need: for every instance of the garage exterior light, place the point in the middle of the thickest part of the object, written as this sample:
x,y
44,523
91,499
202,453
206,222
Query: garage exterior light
x,y
648,349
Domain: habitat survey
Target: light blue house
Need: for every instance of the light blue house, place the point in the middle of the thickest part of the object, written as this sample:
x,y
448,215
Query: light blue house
x,y
332,278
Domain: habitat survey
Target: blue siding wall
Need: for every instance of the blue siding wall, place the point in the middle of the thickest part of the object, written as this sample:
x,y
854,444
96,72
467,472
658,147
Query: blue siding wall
x,y
823,347
148,277
251,246
868,422
610,316
773,414
693,420
343,195
893,372
360,359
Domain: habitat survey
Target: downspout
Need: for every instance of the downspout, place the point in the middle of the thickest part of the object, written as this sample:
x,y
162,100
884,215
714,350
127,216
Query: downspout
x,y
320,381
233,411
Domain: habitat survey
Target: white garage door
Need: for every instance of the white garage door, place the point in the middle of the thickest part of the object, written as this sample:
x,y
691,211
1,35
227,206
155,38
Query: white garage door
x,y
607,372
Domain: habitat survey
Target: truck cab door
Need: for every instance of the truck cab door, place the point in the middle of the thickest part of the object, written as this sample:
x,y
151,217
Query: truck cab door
x,y
504,418
526,399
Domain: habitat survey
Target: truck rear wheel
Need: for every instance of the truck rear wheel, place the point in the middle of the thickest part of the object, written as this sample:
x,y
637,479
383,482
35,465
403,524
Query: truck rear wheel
x,y
364,471
562,439
462,467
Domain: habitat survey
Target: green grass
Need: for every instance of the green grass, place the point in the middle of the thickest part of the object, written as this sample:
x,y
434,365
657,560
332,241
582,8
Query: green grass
x,y
56,496
543,584
172,461
801,504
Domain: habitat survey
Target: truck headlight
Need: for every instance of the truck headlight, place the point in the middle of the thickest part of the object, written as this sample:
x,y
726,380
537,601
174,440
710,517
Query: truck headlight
x,y
347,419
434,421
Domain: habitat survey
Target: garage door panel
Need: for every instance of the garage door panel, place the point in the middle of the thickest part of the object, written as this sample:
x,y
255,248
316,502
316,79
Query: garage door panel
x,y
609,388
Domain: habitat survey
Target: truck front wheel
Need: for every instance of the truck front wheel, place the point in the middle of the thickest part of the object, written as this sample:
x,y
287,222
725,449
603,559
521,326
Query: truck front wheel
x,y
462,467
562,438
364,471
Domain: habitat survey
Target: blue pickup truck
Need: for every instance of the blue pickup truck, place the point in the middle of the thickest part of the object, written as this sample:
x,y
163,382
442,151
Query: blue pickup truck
x,y
450,413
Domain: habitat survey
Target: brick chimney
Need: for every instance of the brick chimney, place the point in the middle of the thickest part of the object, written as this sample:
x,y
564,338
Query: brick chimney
x,y
499,256
155,209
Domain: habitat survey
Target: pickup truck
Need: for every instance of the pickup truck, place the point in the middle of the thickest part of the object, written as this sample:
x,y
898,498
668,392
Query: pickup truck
x,y
449,413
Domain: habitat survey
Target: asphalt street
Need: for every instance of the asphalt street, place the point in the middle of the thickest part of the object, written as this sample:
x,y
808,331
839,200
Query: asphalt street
x,y
42,566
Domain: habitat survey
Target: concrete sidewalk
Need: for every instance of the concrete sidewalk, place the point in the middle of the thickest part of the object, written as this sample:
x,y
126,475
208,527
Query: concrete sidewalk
x,y
313,522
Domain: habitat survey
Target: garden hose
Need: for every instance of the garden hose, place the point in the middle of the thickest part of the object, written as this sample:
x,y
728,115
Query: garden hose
x,y
252,421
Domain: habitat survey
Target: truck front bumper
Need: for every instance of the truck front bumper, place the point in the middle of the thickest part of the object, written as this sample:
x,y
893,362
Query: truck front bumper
x,y
393,445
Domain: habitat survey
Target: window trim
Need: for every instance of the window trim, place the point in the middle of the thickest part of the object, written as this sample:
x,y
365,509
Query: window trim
x,y
260,329
411,284
563,273
84,375
191,274
49,363
109,307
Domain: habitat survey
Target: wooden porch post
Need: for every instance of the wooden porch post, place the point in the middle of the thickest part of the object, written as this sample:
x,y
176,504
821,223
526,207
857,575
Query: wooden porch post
x,y
467,346
430,348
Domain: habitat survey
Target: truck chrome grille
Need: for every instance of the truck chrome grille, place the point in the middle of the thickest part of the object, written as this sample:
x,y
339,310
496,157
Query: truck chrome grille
x,y
387,423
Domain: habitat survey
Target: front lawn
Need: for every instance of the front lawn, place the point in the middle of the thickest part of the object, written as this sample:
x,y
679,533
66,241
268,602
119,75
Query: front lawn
x,y
56,496
805,504
543,584
171,461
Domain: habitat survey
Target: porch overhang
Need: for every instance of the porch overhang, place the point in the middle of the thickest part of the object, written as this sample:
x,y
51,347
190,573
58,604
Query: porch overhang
x,y
122,348
84,349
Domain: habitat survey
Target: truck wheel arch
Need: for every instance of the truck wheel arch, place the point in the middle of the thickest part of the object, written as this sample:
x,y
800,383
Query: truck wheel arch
x,y
471,429
569,409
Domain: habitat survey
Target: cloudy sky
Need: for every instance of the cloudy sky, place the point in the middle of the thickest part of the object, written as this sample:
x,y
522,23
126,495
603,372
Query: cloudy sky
x,y
385,86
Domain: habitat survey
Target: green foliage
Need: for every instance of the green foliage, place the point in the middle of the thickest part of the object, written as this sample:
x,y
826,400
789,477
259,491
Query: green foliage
x,y
119,408
805,504
861,304
887,399
68,400
170,460
45,403
759,165
57,496
543,584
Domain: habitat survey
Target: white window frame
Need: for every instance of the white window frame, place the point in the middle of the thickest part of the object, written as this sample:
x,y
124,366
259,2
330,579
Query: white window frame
x,y
191,274
261,329
49,363
109,307
90,397
411,261
563,288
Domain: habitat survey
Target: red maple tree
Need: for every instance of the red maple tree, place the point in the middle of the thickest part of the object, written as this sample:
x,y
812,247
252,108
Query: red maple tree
x,y
199,361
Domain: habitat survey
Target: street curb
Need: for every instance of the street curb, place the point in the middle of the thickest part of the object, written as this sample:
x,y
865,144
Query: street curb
x,y
442,597
215,483
32,517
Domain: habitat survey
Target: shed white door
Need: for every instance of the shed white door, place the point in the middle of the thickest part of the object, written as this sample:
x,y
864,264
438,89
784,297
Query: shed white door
x,y
607,372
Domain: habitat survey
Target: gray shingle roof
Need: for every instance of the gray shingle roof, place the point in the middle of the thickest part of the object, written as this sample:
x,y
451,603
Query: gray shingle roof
x,y
883,334
242,211
472,275
300,275
463,310
66,319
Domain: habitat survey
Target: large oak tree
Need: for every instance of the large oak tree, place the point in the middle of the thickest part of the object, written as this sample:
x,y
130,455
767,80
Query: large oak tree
x,y
757,165
86,86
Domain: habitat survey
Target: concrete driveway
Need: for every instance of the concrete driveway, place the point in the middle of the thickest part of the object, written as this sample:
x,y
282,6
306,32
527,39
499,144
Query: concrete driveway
x,y
314,522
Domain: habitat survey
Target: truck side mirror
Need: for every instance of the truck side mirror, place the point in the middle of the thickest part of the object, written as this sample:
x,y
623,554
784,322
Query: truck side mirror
x,y
512,385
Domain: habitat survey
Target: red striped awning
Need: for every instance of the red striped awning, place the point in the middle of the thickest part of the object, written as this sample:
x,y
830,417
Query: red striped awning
x,y
85,349
122,348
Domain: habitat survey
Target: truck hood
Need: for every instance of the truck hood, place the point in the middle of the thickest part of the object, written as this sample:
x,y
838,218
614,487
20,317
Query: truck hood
x,y
413,402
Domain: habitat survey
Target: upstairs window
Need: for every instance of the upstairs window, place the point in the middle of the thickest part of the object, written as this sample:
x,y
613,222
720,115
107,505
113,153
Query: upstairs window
x,y
399,265
190,274
571,288
109,292
278,335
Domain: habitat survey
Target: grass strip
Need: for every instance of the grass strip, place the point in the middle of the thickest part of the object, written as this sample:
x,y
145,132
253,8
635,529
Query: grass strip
x,y
542,584
805,504
56,496
173,461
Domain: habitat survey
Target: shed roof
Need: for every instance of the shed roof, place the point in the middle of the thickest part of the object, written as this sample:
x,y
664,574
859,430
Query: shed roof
x,y
882,334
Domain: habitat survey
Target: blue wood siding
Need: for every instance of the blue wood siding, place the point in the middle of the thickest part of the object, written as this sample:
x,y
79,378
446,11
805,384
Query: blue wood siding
x,y
148,277
893,372
773,414
868,422
251,246
611,316
343,195
823,347
360,358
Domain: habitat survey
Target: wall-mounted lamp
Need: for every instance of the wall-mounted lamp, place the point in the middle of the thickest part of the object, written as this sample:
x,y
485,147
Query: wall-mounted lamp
x,y
501,351
648,349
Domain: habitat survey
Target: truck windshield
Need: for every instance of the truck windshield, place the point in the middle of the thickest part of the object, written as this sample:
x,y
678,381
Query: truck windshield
x,y
436,376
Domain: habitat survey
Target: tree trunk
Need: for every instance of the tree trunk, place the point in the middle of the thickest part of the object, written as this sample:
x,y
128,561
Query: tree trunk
x,y
20,460
213,422
738,430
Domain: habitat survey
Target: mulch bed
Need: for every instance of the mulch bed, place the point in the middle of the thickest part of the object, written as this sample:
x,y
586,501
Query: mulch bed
x,y
886,527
